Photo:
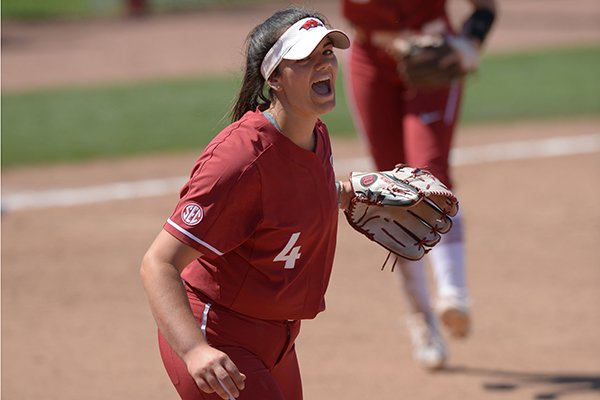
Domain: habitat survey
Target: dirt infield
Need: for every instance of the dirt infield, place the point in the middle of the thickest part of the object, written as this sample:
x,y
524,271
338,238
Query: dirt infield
x,y
75,324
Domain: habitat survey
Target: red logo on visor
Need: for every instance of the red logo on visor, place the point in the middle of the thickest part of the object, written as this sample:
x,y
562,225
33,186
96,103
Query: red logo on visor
x,y
311,23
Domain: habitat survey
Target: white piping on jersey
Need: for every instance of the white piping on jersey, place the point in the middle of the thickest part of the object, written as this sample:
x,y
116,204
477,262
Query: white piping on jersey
x,y
451,102
194,238
203,324
204,319
226,391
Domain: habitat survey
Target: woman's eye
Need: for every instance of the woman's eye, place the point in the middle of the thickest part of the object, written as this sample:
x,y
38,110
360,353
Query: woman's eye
x,y
328,52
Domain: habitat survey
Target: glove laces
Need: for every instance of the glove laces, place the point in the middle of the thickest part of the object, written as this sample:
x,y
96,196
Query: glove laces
x,y
386,261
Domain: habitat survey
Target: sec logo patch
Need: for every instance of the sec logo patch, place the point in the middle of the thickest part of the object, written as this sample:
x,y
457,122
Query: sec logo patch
x,y
192,214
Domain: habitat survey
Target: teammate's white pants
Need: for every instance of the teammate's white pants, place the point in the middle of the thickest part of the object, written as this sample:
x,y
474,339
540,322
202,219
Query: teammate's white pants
x,y
447,261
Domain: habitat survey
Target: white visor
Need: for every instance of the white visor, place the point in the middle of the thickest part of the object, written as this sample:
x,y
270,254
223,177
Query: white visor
x,y
299,41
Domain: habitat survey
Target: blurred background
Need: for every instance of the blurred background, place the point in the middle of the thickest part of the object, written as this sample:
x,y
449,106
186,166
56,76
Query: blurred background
x,y
106,66
107,103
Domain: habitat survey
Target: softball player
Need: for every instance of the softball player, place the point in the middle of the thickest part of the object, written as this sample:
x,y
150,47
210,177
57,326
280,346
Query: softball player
x,y
247,253
414,127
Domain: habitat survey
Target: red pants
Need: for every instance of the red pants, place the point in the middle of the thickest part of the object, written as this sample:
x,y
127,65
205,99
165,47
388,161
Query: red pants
x,y
262,350
401,126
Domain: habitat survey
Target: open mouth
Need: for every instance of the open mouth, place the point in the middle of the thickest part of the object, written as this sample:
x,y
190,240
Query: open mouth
x,y
322,87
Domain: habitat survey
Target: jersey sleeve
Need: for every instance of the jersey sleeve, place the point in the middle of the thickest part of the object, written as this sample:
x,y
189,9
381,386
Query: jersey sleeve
x,y
219,207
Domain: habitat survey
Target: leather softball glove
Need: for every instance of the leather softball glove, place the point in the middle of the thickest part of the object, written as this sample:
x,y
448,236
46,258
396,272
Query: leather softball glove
x,y
431,61
404,210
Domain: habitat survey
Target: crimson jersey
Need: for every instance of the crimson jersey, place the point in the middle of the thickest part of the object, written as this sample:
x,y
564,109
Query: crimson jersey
x,y
392,15
263,212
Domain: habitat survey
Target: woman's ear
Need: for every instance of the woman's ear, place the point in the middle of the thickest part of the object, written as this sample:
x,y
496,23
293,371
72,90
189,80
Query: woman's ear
x,y
274,83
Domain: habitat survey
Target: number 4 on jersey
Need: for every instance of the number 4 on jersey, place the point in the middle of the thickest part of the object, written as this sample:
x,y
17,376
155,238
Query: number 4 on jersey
x,y
290,254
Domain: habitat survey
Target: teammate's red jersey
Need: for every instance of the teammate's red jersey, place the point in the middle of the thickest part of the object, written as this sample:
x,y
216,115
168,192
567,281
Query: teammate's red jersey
x,y
392,15
263,212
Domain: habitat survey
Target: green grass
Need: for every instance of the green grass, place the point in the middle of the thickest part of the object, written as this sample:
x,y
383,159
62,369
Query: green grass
x,y
535,85
50,126
42,9
78,124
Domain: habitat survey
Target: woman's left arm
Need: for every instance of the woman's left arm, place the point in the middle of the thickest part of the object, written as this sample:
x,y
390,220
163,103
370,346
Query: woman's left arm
x,y
212,370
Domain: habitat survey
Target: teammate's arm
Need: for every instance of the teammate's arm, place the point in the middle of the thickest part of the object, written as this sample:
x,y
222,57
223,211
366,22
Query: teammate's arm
x,y
479,23
467,45
162,264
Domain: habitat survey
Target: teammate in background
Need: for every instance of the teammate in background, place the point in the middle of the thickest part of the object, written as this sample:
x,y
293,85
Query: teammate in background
x,y
415,127
247,253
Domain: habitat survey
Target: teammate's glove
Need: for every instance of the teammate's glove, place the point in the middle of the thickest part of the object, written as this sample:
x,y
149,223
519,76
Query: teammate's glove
x,y
404,210
430,61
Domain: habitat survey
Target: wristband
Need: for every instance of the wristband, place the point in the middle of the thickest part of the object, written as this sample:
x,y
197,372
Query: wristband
x,y
479,24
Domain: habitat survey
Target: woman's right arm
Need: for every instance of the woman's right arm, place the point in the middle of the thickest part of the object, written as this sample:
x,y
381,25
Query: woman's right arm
x,y
162,264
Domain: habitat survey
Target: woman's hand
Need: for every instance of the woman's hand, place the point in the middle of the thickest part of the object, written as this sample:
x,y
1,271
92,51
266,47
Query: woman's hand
x,y
214,372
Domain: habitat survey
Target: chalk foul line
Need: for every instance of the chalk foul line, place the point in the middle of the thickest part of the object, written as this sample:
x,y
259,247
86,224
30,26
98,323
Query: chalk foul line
x,y
473,155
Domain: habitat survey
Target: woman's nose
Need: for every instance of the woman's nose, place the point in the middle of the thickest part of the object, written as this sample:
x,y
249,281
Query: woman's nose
x,y
324,62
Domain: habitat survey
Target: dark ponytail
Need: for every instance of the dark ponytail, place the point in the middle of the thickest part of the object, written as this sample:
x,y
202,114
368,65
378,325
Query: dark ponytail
x,y
253,92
